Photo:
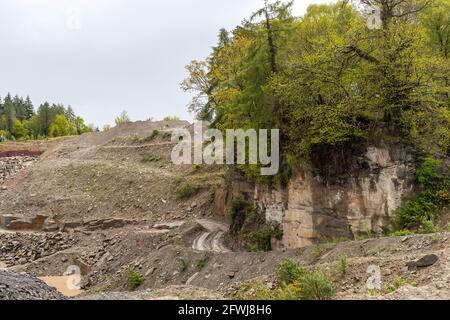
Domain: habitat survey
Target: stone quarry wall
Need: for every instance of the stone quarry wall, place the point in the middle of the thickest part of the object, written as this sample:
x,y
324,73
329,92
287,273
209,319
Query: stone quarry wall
x,y
315,207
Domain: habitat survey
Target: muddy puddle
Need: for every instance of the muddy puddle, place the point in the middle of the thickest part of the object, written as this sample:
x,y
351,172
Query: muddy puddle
x,y
62,284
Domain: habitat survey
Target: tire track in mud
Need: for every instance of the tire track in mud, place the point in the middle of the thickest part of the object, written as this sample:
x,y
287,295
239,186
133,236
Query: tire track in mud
x,y
212,239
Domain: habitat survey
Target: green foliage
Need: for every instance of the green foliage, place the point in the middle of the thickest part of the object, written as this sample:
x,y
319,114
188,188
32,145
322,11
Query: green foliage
x,y
19,130
397,283
328,81
342,265
135,279
310,286
299,284
122,118
202,262
427,227
428,174
420,212
152,136
19,120
289,271
3,135
262,237
317,251
187,190
184,264
295,282
238,207
60,127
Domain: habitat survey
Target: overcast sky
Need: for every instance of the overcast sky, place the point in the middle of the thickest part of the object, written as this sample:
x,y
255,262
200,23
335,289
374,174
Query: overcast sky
x,y
105,56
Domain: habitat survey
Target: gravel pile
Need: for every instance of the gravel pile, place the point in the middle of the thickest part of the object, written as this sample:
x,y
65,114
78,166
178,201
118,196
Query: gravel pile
x,y
14,286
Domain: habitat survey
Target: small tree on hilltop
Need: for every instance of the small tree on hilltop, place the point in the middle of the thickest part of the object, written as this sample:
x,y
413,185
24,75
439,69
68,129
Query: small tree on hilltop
x,y
123,118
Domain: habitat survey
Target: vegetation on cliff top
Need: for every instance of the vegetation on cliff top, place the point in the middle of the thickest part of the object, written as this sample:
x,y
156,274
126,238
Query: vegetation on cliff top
x,y
328,81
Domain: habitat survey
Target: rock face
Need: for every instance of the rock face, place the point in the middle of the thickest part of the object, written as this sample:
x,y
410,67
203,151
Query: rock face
x,y
323,203
22,287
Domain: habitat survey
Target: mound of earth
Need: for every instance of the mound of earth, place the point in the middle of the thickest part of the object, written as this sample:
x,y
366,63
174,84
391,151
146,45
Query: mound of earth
x,y
23,287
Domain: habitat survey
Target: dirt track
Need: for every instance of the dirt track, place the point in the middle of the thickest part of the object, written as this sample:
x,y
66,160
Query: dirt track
x,y
212,239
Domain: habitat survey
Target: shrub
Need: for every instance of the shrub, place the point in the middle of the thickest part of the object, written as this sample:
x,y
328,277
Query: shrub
x,y
342,265
3,135
135,279
315,286
202,262
428,172
289,271
397,283
263,237
427,227
152,136
186,191
184,264
419,212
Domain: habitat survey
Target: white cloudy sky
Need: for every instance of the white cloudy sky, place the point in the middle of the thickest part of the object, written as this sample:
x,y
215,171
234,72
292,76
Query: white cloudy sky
x,y
126,54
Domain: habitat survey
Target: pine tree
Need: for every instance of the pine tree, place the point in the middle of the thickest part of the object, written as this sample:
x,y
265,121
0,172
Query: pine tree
x,y
29,108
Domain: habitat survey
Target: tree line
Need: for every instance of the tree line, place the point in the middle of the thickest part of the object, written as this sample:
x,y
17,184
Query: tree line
x,y
330,79
19,120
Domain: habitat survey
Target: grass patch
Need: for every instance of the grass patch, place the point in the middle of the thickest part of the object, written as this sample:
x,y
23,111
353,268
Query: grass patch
x,y
135,279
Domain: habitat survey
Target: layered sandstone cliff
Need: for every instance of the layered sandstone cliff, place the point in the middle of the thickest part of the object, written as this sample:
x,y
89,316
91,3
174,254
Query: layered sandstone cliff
x,y
315,207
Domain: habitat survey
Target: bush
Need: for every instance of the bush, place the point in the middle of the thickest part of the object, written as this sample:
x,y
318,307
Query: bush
x,y
184,264
299,284
263,237
315,286
397,283
135,279
202,262
186,191
152,136
342,265
289,271
418,213
427,227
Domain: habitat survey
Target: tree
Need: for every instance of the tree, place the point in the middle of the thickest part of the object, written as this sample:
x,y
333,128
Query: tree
x,y
28,108
81,126
60,127
19,130
45,118
122,118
